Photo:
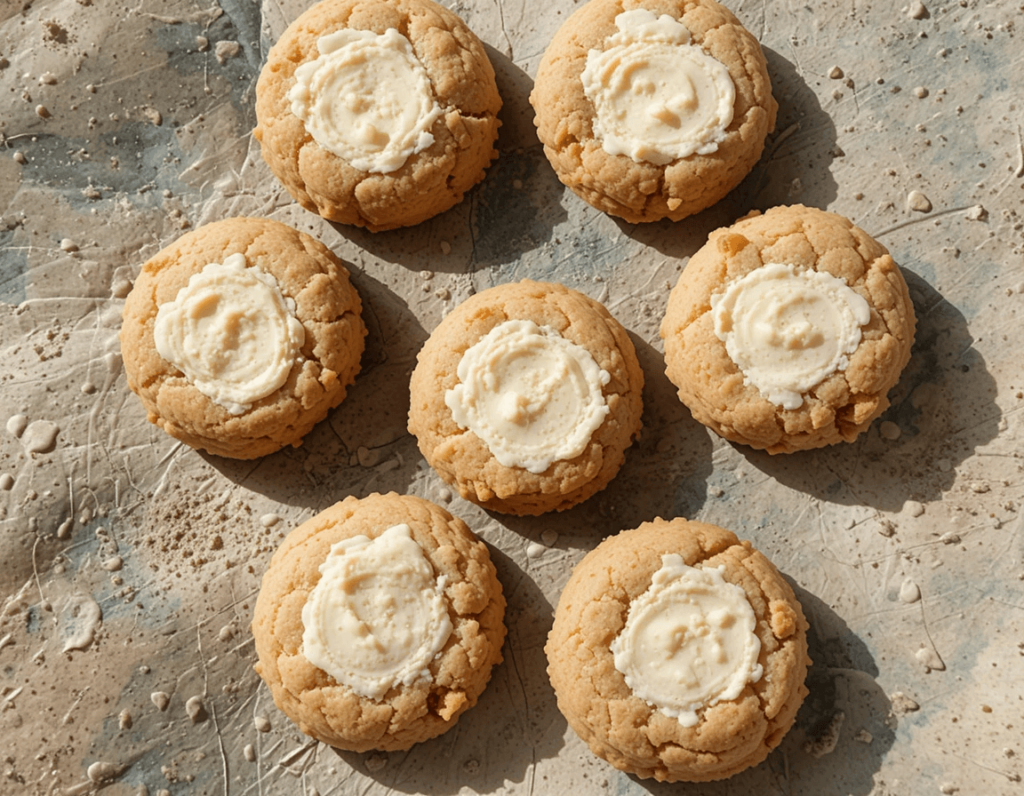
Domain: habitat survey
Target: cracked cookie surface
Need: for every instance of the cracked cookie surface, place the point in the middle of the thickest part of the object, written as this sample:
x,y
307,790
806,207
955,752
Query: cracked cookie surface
x,y
431,181
627,731
462,459
406,714
326,304
845,403
642,191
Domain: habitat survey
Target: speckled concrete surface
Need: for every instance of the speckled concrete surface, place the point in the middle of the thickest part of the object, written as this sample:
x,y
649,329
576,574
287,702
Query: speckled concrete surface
x,y
130,563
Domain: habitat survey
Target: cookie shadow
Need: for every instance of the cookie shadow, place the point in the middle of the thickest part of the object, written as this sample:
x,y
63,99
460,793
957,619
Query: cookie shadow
x,y
515,85
842,733
363,445
515,725
666,470
795,165
511,212
793,169
664,475
943,408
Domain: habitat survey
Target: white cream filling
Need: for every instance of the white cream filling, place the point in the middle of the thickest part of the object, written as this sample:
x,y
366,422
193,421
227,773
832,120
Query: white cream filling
x,y
529,394
231,332
689,641
378,615
788,329
367,98
657,97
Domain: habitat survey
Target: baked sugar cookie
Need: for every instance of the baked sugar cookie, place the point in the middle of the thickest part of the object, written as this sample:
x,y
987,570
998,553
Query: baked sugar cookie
x,y
653,109
378,623
241,335
378,113
525,397
678,652
787,330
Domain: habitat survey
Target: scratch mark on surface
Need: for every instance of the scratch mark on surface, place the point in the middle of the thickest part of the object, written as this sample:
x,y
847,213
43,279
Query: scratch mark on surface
x,y
35,572
1011,777
928,634
80,696
213,709
1020,154
508,41
923,219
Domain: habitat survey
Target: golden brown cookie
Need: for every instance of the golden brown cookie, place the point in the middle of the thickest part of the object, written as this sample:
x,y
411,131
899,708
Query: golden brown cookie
x,y
844,403
430,180
465,460
407,713
325,304
638,189
629,732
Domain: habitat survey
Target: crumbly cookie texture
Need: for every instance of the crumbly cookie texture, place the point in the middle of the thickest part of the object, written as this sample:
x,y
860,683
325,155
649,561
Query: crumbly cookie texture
x,y
407,714
843,405
327,306
431,181
627,731
463,460
643,191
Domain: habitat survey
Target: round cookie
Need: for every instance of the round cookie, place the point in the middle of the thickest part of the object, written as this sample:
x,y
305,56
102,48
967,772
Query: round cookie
x,y
465,460
406,713
325,305
842,403
628,731
459,80
635,185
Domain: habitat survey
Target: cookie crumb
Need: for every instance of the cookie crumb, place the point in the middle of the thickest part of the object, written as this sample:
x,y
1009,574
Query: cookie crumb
x,y
161,699
930,659
910,592
889,430
376,762
825,742
914,508
918,202
901,704
196,710
226,50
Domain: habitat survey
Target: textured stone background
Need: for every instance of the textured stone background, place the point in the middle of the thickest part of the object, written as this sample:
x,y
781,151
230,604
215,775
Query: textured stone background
x,y
125,124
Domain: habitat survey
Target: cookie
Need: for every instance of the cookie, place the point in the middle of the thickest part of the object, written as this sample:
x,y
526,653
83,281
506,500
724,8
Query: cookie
x,y
525,398
399,605
653,109
241,335
678,652
377,113
787,330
